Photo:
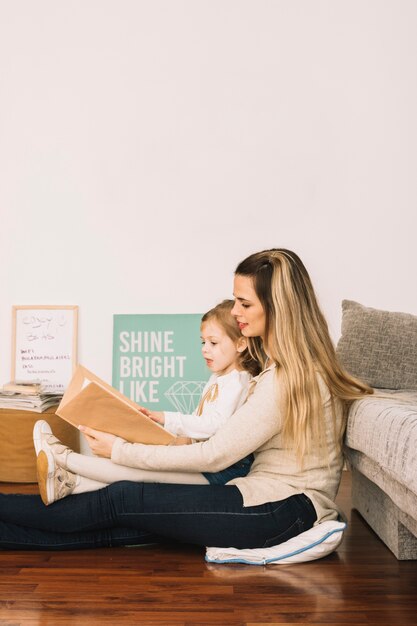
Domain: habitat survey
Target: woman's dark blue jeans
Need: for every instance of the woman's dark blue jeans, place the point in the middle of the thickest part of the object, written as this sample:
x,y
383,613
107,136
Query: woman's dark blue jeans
x,y
128,513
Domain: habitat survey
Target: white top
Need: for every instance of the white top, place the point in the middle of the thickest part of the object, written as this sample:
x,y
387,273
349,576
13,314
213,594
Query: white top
x,y
221,397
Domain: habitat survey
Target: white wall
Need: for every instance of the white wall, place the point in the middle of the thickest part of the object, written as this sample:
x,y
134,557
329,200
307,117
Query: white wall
x,y
147,146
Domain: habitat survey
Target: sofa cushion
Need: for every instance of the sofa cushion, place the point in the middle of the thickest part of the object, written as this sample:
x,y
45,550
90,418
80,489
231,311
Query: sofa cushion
x,y
385,430
379,347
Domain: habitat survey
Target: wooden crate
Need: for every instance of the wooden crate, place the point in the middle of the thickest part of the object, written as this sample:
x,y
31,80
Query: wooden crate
x,y
17,454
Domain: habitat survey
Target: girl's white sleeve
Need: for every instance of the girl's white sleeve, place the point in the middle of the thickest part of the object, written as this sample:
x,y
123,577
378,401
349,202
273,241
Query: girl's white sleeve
x,y
231,395
173,418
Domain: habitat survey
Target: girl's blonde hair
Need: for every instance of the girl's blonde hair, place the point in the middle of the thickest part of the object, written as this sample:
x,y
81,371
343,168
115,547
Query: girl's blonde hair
x,y
297,340
222,315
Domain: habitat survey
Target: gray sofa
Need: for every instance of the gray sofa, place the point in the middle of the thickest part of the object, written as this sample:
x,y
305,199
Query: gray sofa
x,y
380,347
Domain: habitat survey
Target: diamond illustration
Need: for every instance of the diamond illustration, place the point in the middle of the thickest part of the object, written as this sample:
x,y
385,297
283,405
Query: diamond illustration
x,y
185,395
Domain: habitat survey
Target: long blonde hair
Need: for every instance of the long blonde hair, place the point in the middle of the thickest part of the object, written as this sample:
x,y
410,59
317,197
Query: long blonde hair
x,y
297,340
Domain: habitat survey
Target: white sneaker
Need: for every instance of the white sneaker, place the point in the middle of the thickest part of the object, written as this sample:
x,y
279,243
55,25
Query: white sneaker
x,y
54,481
44,439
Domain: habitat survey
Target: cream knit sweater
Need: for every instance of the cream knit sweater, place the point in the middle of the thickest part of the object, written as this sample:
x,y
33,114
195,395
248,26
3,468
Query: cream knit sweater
x,y
255,427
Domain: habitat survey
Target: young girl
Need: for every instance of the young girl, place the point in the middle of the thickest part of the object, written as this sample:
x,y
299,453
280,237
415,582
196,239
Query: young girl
x,y
62,472
293,420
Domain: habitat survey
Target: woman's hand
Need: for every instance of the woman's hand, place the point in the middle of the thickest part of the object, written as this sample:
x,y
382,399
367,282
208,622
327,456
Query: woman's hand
x,y
156,416
100,443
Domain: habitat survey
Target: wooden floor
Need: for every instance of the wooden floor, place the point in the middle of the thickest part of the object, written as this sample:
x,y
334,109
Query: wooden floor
x,y
361,584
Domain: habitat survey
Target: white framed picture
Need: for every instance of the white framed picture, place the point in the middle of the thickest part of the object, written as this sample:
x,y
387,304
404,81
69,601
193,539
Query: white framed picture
x,y
44,345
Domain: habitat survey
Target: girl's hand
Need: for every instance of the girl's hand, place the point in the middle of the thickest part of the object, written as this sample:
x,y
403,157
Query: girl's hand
x,y
182,441
100,443
156,416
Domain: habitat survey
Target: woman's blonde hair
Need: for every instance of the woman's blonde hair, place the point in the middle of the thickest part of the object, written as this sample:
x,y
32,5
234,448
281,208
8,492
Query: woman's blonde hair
x,y
297,340
222,315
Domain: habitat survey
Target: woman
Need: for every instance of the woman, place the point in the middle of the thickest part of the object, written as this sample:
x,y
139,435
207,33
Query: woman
x,y
293,421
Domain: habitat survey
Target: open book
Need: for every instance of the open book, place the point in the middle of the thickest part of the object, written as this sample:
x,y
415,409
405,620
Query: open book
x,y
90,401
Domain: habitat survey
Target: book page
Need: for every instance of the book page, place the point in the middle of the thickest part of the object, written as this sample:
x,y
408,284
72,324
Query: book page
x,y
98,408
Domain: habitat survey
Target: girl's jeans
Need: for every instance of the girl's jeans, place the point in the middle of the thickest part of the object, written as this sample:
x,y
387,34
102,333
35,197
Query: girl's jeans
x,y
127,513
239,469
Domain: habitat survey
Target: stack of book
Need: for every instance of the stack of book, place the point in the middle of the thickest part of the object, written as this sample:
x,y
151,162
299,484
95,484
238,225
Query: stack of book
x,y
27,396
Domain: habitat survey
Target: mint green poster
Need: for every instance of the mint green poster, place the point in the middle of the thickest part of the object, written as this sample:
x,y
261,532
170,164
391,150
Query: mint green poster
x,y
157,360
